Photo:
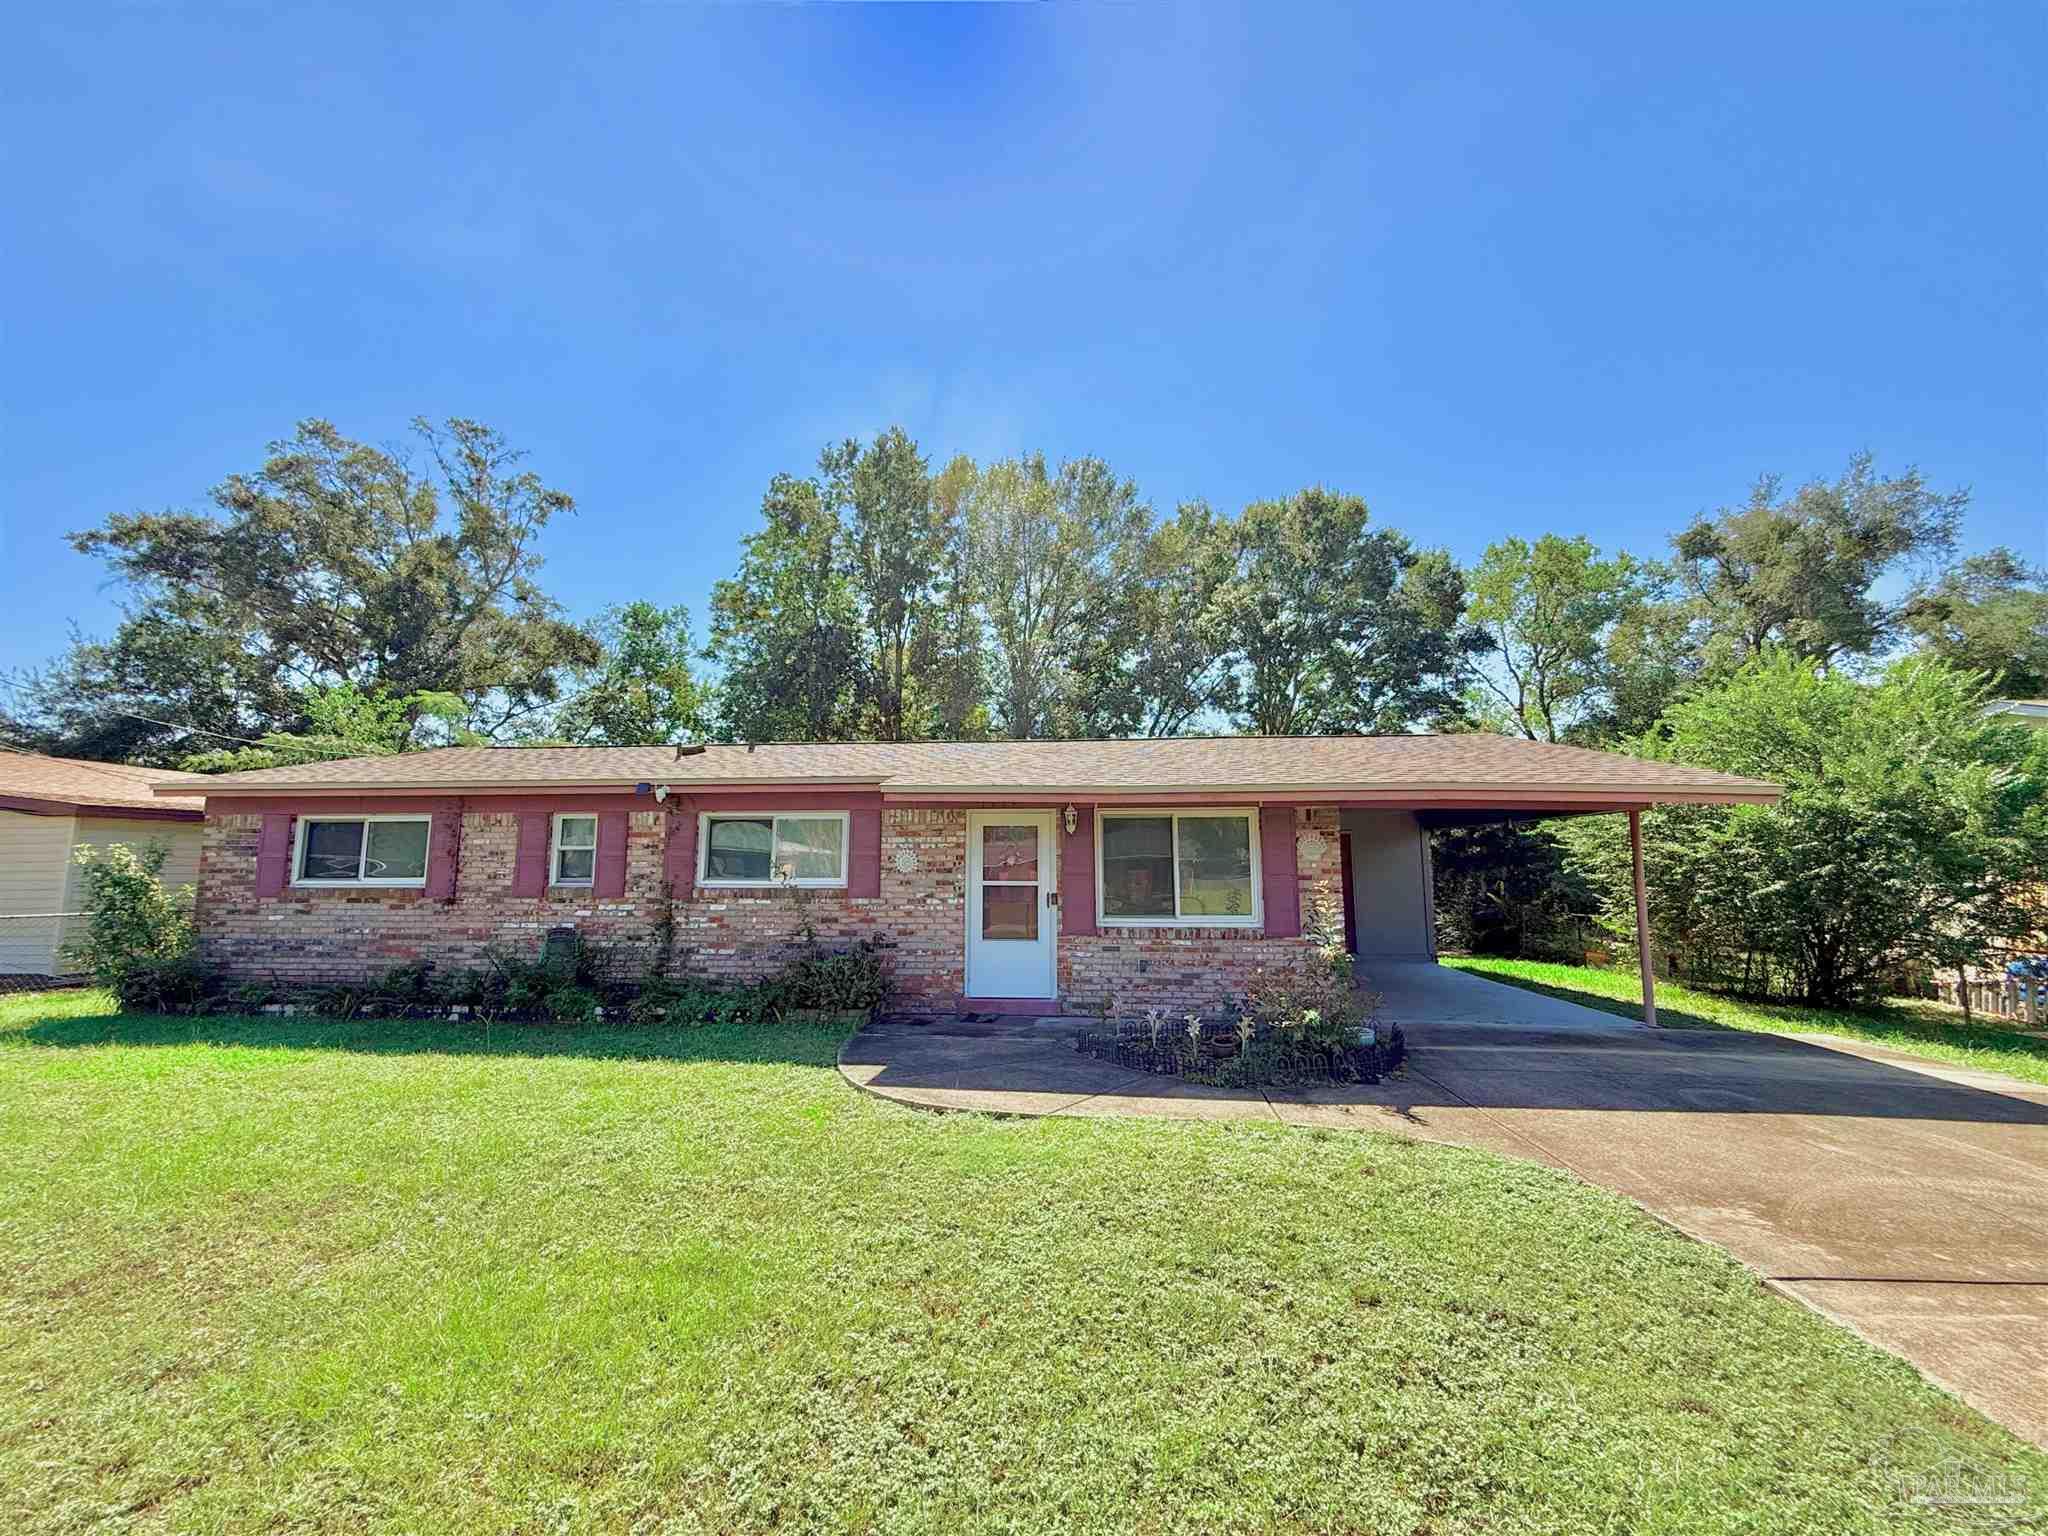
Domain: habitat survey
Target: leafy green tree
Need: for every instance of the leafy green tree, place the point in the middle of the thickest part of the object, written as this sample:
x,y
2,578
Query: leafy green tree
x,y
344,721
332,563
1330,626
1988,613
1800,572
955,682
1909,834
164,686
1549,609
1506,888
643,691
1044,552
1649,663
787,628
852,615
902,540
1151,663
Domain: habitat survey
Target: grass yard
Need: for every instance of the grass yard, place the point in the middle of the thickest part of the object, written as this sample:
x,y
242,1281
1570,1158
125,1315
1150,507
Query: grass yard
x,y
264,1274
1925,1029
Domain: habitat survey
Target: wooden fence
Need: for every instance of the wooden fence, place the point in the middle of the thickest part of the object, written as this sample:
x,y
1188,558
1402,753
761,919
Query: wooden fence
x,y
1999,997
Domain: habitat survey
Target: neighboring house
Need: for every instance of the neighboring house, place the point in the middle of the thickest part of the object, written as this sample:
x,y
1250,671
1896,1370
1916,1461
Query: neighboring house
x,y
49,808
1014,875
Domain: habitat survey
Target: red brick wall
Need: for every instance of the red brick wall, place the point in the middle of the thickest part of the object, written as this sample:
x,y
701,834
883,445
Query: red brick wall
x,y
341,935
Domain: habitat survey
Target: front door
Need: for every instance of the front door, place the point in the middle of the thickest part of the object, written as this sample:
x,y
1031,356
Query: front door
x,y
1010,923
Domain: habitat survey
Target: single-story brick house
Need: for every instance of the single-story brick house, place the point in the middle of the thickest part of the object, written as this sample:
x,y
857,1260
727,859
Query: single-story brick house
x,y
1012,875
50,807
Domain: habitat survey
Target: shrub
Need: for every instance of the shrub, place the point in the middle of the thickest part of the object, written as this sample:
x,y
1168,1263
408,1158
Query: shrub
x,y
1315,997
572,1005
160,984
133,923
412,982
1909,836
661,1001
840,979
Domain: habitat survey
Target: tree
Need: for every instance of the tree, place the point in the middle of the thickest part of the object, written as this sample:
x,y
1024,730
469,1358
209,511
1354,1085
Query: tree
x,y
1150,663
1799,572
904,542
333,563
787,628
1506,888
1549,608
1988,613
957,675
343,721
1908,834
643,690
1044,551
166,685
1331,626
1650,664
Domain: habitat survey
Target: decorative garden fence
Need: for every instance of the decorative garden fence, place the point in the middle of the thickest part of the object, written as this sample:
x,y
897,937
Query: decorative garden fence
x,y
2023,999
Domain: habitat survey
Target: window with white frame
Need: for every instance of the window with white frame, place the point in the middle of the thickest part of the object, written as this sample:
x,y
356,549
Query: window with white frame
x,y
1192,868
575,851
361,850
785,848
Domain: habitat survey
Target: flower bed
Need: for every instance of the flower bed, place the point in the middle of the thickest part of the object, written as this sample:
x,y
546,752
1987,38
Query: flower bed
x,y
576,983
1245,1053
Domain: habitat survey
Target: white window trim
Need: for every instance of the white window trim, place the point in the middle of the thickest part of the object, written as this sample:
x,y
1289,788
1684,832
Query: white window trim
x,y
555,849
1249,814
299,855
809,882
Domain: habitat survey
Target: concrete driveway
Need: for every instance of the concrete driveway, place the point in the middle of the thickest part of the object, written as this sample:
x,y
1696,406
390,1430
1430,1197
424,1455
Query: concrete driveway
x,y
1905,1199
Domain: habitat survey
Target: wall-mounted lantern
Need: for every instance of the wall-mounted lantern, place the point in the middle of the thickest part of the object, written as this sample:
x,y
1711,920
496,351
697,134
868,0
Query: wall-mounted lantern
x,y
1072,818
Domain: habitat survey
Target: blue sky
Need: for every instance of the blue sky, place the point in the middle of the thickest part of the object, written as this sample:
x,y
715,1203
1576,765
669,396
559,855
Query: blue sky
x,y
1589,270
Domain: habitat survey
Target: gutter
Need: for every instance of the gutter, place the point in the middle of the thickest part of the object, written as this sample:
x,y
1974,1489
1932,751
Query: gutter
x,y
1411,796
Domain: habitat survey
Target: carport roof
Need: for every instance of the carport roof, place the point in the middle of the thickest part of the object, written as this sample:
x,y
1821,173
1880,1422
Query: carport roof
x,y
1418,770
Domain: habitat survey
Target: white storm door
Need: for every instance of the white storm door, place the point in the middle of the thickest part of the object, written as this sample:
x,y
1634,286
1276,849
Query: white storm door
x,y
1010,927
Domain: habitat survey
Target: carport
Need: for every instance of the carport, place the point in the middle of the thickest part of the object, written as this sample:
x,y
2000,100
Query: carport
x,y
1389,886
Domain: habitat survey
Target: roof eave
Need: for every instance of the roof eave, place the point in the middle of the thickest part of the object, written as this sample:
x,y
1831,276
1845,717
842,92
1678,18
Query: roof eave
x,y
274,788
1392,796
45,805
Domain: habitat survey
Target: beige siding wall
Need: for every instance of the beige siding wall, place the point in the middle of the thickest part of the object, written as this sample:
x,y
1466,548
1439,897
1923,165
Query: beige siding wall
x,y
38,876
33,851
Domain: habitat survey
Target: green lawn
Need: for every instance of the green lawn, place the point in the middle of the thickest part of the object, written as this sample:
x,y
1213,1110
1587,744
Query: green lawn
x,y
301,1275
1925,1029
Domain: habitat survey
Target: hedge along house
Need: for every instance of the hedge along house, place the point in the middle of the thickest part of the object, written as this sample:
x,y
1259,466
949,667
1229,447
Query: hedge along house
x,y
1007,876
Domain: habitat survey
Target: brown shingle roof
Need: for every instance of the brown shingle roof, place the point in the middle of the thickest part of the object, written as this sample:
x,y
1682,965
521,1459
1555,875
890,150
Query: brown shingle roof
x,y
72,784
1258,765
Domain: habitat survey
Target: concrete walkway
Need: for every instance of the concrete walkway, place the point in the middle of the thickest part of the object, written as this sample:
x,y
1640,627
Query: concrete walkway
x,y
1906,1199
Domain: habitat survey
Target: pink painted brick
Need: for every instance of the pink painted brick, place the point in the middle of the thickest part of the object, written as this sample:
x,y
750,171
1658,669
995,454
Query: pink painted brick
x,y
316,936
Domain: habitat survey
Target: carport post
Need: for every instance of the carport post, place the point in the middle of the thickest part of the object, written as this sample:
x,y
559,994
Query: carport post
x,y
1635,848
